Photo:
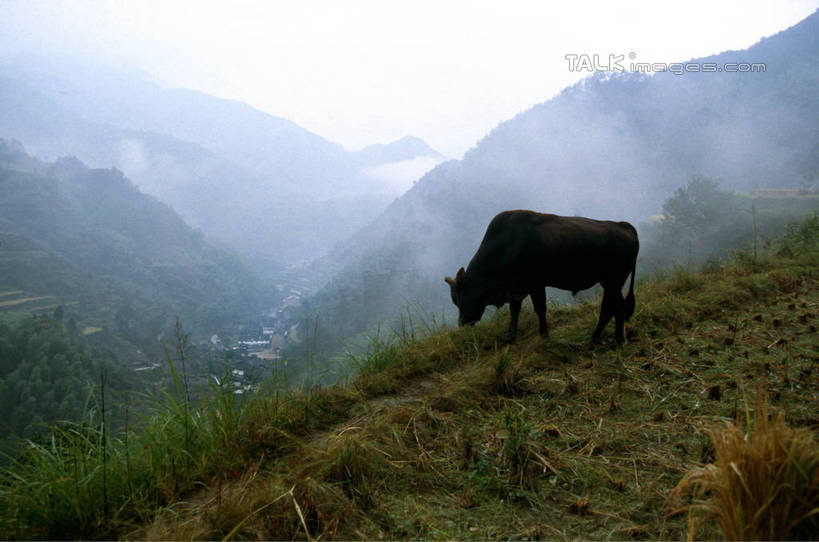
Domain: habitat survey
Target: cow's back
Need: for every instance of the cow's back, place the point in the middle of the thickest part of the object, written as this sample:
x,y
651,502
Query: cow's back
x,y
572,253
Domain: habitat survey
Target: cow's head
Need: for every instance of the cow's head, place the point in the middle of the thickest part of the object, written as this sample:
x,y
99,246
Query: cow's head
x,y
467,296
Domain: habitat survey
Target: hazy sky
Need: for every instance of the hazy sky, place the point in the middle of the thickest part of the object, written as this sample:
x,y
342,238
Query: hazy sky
x,y
362,72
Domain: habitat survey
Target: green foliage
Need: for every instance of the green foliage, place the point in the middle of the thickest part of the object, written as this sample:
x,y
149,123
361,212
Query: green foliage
x,y
803,235
52,483
697,206
357,466
507,376
357,305
47,375
80,483
703,222
516,443
501,363
381,355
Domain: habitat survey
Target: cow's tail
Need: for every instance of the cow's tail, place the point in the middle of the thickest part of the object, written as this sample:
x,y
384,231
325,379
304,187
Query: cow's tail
x,y
630,295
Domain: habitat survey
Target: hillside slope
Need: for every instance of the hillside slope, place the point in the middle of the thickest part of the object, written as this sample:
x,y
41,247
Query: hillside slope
x,y
613,146
116,258
450,436
454,437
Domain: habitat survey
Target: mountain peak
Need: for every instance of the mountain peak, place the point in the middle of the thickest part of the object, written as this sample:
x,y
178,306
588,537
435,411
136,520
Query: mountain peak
x,y
405,148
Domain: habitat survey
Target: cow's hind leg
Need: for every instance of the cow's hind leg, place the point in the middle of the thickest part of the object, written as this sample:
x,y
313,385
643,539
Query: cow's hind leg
x,y
613,306
538,296
514,312
619,318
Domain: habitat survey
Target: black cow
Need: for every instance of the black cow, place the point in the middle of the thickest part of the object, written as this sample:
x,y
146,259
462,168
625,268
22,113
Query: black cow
x,y
522,252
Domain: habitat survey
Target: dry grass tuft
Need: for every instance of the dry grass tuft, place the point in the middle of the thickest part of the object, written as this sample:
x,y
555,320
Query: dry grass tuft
x,y
580,506
763,484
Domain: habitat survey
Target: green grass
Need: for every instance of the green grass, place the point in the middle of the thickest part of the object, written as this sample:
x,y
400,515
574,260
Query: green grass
x,y
452,436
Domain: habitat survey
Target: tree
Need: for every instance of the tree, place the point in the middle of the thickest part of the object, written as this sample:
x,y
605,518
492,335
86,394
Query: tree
x,y
697,205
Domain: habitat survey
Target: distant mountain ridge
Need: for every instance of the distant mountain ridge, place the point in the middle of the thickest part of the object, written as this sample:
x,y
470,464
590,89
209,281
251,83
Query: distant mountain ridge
x,y
406,148
259,183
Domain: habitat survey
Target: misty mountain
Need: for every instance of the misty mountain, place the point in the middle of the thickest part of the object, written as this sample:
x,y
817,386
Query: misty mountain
x,y
613,146
113,257
261,184
406,148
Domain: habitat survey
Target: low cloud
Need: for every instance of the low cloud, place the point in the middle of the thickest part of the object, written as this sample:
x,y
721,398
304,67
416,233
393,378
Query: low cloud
x,y
395,178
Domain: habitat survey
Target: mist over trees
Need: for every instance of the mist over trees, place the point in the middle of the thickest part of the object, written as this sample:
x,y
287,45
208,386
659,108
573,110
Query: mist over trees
x,y
262,185
117,259
701,222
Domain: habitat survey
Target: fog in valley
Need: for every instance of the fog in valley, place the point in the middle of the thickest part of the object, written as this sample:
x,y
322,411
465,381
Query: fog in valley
x,y
286,197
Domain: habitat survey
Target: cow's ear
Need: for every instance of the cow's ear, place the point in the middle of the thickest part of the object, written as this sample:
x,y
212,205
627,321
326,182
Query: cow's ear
x,y
460,274
450,281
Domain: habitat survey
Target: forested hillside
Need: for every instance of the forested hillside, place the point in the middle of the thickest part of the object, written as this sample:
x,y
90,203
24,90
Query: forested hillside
x,y
93,277
48,373
114,258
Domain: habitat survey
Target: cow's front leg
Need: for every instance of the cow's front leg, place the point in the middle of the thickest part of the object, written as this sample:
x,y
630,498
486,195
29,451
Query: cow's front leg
x,y
514,312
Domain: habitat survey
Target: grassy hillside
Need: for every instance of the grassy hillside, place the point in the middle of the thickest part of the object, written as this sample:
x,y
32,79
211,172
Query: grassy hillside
x,y
613,146
701,222
451,436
